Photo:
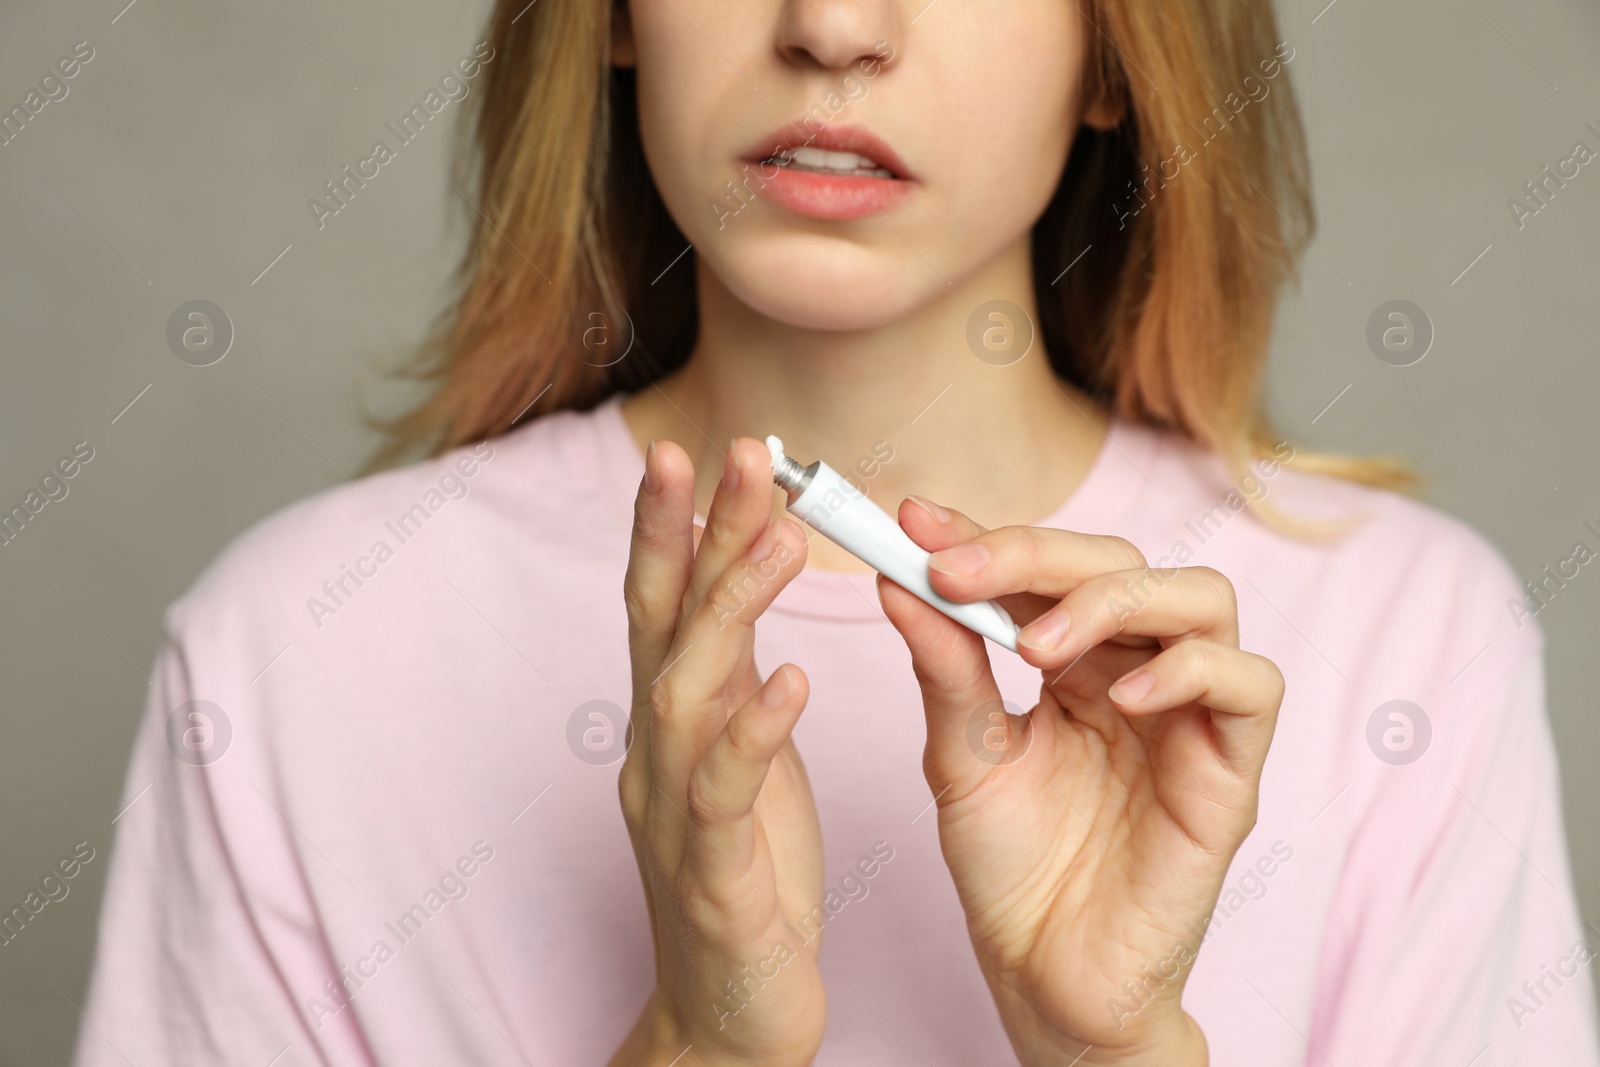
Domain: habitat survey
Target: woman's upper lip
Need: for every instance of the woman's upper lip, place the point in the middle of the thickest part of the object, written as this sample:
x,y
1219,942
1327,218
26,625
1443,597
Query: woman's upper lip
x,y
850,138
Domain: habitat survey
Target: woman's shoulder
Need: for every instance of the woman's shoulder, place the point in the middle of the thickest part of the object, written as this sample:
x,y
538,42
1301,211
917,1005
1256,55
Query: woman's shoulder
x,y
1397,567
545,487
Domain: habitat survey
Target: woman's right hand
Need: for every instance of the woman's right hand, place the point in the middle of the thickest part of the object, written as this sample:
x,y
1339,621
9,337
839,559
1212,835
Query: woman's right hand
x,y
713,791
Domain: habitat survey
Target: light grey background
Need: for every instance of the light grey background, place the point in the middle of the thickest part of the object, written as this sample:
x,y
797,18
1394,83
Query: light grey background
x,y
181,162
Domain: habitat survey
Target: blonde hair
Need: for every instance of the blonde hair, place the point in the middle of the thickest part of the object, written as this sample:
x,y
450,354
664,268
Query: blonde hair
x,y
1170,326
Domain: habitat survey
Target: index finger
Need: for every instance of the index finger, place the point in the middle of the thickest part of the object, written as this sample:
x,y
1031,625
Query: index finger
x,y
1027,568
660,557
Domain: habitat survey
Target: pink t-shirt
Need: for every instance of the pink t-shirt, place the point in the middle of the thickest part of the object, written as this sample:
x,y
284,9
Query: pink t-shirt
x,y
388,833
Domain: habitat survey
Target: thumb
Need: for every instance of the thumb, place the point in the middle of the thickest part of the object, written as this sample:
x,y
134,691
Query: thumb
x,y
959,694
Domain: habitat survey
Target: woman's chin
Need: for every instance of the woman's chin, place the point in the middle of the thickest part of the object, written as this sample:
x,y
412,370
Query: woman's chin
x,y
853,291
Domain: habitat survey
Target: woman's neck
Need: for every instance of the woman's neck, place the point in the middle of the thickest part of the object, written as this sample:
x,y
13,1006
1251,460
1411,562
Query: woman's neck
x,y
1004,444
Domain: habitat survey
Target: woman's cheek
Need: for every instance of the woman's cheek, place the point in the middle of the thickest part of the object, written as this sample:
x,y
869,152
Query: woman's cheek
x,y
998,191
1005,128
688,98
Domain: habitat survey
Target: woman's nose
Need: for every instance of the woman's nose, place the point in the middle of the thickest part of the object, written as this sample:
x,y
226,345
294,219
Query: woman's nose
x,y
834,34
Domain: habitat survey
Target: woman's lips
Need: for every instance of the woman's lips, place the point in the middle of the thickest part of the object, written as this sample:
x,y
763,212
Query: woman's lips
x,y
835,173
832,196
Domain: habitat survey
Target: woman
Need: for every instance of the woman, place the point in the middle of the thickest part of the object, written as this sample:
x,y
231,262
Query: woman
x,y
1019,259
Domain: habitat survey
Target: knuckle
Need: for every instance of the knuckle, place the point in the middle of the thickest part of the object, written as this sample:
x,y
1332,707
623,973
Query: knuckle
x,y
1026,542
1126,553
1194,659
727,694
1276,683
742,743
941,671
632,792
700,910
663,701
729,598
1218,585
702,798
1119,594
648,536
638,602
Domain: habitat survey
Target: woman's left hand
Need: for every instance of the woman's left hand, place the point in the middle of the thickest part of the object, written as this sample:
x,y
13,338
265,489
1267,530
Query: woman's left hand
x,y
1089,839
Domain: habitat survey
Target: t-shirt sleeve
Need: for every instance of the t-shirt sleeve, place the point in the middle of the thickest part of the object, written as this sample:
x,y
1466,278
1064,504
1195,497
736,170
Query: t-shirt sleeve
x,y
209,937
1455,937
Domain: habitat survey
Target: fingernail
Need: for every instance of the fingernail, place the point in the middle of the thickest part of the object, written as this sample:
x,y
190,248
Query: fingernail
x,y
960,561
939,514
1133,688
773,693
1045,632
730,470
652,474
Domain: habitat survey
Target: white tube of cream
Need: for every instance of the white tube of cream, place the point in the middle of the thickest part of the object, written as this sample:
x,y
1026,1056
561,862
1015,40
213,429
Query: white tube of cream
x,y
842,513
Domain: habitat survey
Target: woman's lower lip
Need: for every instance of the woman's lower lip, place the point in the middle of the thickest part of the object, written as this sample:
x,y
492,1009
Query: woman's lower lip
x,y
838,197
